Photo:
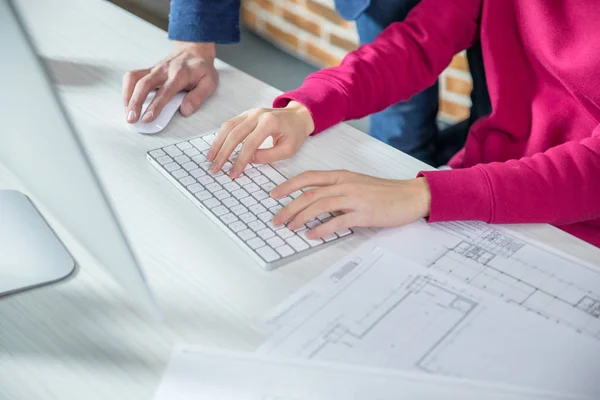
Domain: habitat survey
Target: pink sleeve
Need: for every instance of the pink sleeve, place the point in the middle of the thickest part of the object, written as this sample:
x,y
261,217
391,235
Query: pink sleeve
x,y
404,59
557,187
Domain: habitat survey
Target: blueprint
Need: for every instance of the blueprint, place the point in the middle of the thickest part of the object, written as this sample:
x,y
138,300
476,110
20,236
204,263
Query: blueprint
x,y
197,374
448,307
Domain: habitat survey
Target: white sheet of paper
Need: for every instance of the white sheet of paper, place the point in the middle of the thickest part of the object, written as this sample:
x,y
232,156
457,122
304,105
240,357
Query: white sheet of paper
x,y
201,374
457,309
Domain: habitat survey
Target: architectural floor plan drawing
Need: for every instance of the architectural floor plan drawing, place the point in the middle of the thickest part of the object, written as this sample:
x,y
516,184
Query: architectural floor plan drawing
x,y
195,373
546,283
376,308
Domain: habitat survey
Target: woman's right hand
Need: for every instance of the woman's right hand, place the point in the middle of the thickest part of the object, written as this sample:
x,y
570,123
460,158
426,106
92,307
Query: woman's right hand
x,y
289,127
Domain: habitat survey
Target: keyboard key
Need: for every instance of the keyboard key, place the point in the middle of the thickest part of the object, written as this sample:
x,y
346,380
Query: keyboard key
x,y
296,194
239,194
197,173
190,166
251,187
226,167
275,209
222,194
311,242
214,174
285,250
285,233
344,232
329,238
252,173
230,202
238,226
164,160
267,187
212,202
248,201
199,159
323,217
195,187
246,234
213,187
157,153
275,241
261,179
265,216
203,195
205,165
257,209
273,175
265,233
191,152
272,226
248,217
209,138
172,166
268,254
173,151
313,223
261,194
231,186
228,218
223,180
243,180
269,202
184,145
256,225
285,201
179,173
205,180
200,144
239,209
300,228
219,210
187,180
297,243
255,243
182,159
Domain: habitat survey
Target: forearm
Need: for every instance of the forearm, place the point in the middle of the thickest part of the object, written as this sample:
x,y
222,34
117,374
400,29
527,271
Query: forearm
x,y
215,21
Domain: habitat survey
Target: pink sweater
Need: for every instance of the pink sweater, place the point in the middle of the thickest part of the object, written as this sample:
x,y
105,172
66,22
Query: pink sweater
x,y
536,158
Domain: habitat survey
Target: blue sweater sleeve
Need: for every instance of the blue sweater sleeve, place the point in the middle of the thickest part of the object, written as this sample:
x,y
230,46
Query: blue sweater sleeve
x,y
205,21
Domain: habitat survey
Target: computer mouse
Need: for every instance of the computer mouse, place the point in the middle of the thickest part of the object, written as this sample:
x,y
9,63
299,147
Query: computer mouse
x,y
163,118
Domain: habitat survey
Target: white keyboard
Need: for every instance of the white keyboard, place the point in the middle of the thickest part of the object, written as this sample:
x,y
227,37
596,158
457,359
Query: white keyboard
x,y
242,207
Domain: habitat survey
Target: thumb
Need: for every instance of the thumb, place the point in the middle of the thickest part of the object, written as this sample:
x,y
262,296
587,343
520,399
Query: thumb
x,y
194,99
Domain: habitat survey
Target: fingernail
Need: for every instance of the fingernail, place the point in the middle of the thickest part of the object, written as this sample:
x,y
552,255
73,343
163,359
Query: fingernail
x,y
131,116
148,116
186,109
210,155
234,174
310,235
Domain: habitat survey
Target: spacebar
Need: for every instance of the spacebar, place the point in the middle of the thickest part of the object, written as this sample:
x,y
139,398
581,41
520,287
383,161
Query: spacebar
x,y
273,175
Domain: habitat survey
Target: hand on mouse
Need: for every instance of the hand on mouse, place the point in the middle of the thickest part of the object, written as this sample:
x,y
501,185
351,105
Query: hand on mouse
x,y
289,127
189,67
365,201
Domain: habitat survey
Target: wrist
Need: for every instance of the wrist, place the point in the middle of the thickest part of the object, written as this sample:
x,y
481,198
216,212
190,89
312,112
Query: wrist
x,y
200,49
304,115
423,196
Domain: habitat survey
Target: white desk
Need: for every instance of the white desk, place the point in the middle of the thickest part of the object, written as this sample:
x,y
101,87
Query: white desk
x,y
82,339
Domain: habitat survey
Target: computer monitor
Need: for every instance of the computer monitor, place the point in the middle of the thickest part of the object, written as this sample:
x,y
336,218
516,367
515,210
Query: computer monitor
x,y
40,147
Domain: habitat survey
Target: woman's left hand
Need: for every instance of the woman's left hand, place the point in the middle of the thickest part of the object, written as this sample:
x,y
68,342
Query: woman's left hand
x,y
364,200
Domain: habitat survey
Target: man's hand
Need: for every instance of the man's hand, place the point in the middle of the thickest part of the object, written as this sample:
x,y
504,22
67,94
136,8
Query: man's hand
x,y
190,67
364,200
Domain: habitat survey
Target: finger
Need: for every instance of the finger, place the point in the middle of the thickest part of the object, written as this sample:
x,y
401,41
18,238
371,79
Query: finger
x,y
335,224
142,88
222,134
198,95
280,151
263,129
237,135
321,206
129,80
291,210
306,179
164,94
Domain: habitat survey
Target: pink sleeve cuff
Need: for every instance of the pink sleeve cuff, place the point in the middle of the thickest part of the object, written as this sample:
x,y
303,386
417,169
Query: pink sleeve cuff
x,y
327,104
459,194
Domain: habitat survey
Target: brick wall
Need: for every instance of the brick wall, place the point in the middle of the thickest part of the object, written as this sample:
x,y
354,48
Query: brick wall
x,y
313,31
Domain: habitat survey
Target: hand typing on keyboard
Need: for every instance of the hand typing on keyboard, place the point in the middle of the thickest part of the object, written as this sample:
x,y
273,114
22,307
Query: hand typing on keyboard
x,y
288,126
